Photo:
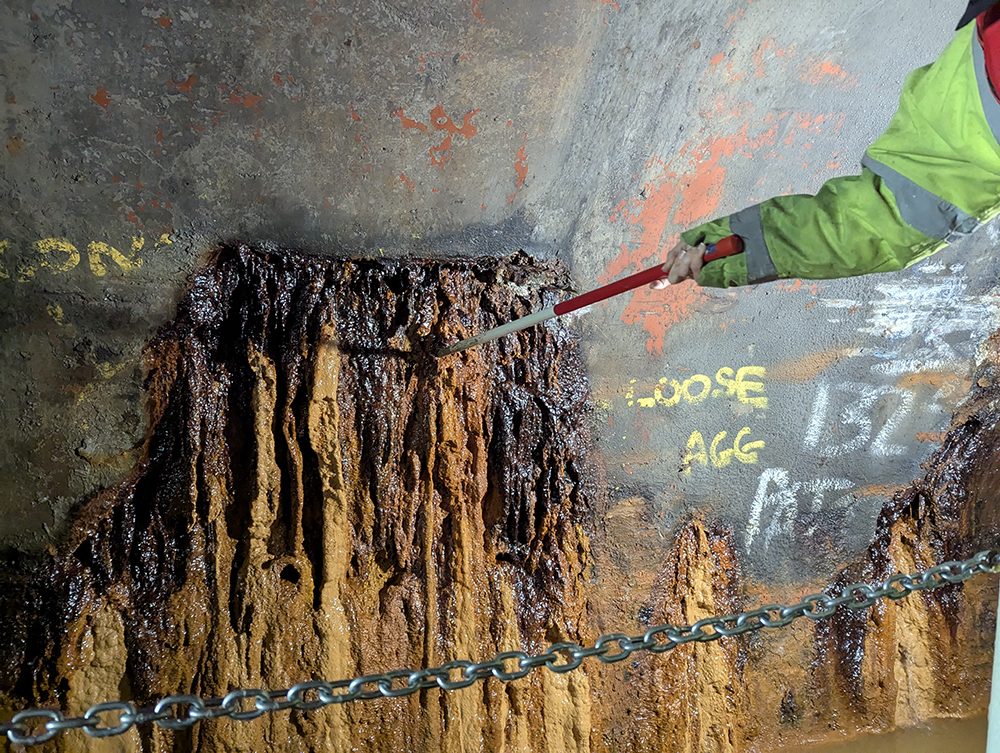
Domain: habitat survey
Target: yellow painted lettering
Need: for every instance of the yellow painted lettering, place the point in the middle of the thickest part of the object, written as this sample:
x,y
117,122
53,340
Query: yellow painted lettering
x,y
720,459
630,392
48,246
724,377
96,249
56,312
744,385
746,453
667,401
706,387
695,451
4,245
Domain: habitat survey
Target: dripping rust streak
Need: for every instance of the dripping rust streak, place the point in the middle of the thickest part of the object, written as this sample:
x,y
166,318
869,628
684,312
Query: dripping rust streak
x,y
319,495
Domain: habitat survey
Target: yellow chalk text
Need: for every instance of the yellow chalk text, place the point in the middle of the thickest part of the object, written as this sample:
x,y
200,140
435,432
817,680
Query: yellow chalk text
x,y
746,384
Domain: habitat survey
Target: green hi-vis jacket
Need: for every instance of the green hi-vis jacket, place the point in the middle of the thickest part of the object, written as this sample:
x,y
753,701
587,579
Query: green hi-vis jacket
x,y
931,178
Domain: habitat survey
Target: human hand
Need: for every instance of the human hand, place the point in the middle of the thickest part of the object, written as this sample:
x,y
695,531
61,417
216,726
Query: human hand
x,y
683,262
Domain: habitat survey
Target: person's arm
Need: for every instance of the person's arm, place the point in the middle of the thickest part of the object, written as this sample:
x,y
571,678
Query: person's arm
x,y
851,227
931,178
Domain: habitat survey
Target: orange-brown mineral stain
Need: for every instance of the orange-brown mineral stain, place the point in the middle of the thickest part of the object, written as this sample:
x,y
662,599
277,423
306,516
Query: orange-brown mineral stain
x,y
163,21
102,98
520,168
809,366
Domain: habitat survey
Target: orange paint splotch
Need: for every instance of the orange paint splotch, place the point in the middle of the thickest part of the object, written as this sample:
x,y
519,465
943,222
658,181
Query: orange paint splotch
x,y
734,17
483,206
520,168
102,98
441,122
159,135
441,153
164,21
702,191
354,116
659,310
804,121
256,134
405,181
248,101
116,179
185,86
477,12
408,123
825,72
758,57
132,217
277,79
714,62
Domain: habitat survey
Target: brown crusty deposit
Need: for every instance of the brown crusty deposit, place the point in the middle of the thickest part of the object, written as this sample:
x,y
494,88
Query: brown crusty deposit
x,y
319,496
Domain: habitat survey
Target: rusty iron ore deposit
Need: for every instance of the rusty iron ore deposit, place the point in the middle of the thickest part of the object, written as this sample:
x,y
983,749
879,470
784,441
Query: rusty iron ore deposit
x,y
319,496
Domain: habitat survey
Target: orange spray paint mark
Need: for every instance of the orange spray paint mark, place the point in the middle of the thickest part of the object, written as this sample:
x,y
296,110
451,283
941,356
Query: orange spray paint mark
x,y
717,59
185,85
442,122
408,123
102,98
163,21
277,79
354,116
477,12
403,179
249,101
520,167
825,72
703,185
159,135
758,57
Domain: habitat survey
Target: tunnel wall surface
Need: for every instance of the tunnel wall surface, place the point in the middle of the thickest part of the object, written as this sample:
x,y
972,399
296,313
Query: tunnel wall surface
x,y
138,137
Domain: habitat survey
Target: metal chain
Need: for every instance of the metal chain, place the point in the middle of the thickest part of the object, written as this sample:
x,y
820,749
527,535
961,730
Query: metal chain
x,y
510,665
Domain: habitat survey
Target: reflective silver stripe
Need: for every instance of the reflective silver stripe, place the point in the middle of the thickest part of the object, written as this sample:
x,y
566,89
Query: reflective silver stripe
x,y
921,209
747,224
991,108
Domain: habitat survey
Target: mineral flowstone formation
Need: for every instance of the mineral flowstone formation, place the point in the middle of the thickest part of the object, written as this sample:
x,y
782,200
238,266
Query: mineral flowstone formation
x,y
320,496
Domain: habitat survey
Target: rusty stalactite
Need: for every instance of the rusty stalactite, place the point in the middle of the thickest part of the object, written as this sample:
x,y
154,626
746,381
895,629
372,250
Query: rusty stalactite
x,y
320,497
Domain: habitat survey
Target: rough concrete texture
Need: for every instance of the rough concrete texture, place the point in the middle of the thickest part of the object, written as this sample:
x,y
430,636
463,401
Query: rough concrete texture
x,y
137,137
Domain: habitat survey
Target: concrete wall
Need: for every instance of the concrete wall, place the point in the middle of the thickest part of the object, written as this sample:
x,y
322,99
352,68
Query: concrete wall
x,y
137,136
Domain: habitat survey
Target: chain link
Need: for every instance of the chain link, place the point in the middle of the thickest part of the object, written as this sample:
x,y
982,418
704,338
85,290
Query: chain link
x,y
506,666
